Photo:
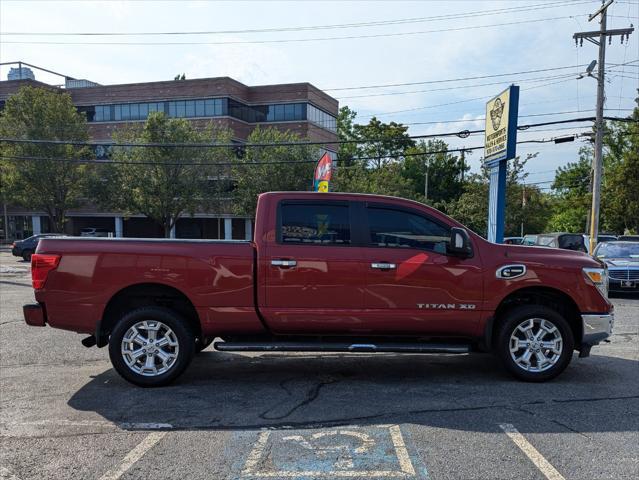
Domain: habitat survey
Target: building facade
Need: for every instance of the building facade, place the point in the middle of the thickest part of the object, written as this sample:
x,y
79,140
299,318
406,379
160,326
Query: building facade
x,y
224,102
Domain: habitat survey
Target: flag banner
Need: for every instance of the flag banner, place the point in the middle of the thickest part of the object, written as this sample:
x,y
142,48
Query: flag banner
x,y
323,173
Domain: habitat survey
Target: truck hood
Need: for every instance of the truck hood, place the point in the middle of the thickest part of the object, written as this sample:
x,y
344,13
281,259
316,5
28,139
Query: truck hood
x,y
551,257
622,262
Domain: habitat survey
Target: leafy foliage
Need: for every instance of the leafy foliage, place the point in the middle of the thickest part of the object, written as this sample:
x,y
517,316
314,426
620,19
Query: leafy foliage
x,y
44,176
523,203
273,168
164,183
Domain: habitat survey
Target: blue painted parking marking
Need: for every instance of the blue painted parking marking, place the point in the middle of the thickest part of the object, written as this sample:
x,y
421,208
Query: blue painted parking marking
x,y
344,452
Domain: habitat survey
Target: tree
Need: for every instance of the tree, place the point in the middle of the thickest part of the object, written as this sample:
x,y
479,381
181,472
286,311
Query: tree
x,y
164,183
523,203
445,171
572,195
619,208
44,177
381,142
347,152
620,197
384,180
272,168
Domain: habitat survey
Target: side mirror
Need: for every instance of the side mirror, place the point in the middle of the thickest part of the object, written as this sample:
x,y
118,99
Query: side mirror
x,y
459,242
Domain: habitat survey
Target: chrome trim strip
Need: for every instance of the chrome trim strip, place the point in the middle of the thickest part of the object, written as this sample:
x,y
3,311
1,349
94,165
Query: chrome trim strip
x,y
597,327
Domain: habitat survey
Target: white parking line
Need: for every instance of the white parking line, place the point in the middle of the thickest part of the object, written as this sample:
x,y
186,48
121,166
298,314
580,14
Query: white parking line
x,y
531,452
134,455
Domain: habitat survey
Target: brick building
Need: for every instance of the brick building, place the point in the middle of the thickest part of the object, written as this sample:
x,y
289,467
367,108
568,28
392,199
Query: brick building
x,y
298,107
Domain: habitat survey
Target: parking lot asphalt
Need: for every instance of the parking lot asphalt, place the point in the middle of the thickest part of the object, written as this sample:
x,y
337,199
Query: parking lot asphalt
x,y
65,413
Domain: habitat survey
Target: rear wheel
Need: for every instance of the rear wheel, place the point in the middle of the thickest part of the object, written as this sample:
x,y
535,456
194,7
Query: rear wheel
x,y
535,343
26,255
151,346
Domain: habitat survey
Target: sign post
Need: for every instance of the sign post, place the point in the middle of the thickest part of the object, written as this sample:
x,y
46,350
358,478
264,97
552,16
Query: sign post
x,y
323,174
500,142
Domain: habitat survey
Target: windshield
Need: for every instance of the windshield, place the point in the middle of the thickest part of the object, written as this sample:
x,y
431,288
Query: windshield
x,y
618,250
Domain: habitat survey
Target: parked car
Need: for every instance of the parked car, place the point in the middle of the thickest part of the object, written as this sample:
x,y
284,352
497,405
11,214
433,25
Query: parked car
x,y
566,241
94,232
326,272
513,240
622,259
629,238
600,239
529,240
25,248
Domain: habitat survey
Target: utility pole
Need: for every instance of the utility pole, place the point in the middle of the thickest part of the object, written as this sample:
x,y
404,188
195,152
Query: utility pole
x,y
579,37
523,205
426,165
463,164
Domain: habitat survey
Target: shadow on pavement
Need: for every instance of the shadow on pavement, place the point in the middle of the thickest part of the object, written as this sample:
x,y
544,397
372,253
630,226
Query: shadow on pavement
x,y
229,391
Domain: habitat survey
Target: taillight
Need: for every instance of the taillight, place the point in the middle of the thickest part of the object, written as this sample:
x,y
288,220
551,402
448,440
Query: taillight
x,y
41,265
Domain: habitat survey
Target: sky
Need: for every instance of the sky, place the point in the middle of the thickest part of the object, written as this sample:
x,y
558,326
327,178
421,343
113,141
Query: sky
x,y
416,42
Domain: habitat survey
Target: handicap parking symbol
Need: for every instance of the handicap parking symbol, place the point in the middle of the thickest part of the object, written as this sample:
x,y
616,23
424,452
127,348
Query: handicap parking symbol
x,y
349,452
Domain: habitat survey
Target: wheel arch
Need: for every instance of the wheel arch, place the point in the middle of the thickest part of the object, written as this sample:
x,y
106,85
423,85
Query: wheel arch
x,y
549,297
144,295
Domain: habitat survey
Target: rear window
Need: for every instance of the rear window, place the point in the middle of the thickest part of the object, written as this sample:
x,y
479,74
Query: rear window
x,y
571,241
315,223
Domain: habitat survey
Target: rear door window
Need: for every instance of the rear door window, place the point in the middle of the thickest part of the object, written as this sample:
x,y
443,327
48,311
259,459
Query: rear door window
x,y
401,229
314,224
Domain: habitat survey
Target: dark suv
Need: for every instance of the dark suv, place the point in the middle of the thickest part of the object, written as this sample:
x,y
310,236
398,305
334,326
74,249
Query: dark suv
x,y
24,248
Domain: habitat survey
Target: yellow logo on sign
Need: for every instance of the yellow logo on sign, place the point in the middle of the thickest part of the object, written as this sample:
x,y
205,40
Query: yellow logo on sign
x,y
496,137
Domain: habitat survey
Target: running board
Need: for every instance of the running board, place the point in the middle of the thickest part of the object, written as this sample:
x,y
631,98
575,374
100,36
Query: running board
x,y
341,347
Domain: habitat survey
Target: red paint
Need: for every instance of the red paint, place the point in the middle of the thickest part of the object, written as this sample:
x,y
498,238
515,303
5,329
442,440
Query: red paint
x,y
331,290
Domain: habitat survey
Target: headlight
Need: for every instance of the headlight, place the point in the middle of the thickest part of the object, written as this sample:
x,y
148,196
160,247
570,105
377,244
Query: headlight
x,y
598,277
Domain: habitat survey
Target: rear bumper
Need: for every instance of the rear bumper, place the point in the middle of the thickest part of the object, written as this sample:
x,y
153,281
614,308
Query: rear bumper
x,y
34,315
596,327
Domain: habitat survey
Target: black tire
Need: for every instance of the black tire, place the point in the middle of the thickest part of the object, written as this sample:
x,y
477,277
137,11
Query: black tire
x,y
202,343
181,330
518,316
26,255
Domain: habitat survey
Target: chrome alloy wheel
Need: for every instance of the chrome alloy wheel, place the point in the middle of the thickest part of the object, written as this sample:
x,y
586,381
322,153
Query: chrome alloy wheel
x,y
150,348
536,345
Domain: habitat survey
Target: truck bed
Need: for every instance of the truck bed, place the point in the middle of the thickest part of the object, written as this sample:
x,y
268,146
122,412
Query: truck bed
x,y
216,276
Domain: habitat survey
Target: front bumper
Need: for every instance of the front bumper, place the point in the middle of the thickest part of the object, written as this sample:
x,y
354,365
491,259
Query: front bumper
x,y
34,315
620,286
596,327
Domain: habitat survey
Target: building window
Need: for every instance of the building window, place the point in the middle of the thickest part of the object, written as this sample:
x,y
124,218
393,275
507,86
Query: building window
x,y
215,107
190,108
199,108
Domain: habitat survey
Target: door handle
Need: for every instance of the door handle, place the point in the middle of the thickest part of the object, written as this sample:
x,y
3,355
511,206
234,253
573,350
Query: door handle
x,y
284,263
383,266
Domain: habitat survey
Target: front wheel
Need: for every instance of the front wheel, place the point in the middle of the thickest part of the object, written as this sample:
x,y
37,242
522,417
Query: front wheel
x,y
26,255
151,346
535,343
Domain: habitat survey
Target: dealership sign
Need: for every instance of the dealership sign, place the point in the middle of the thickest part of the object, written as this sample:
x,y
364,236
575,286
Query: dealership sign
x,y
500,142
501,125
323,173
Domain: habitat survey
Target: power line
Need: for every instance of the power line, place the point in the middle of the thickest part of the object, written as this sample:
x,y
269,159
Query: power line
x,y
459,79
400,21
463,133
296,40
239,162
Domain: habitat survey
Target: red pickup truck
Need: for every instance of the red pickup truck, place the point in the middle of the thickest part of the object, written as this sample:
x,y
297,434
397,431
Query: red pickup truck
x,y
326,272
